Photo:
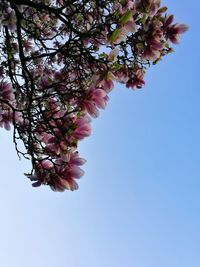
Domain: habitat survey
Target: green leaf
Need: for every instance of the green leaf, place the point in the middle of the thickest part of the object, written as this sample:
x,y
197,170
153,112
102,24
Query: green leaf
x,y
140,45
162,9
96,48
103,55
116,14
115,66
123,2
115,35
10,54
167,45
145,17
126,17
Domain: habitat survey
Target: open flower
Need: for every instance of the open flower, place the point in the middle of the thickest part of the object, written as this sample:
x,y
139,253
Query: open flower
x,y
137,80
5,119
82,128
173,31
96,98
6,91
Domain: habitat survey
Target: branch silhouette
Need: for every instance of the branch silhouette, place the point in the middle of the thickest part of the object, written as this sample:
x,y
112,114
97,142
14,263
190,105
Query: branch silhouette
x,y
58,62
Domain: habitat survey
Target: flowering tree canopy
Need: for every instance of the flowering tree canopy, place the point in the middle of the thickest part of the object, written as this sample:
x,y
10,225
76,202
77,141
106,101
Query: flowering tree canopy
x,y
58,61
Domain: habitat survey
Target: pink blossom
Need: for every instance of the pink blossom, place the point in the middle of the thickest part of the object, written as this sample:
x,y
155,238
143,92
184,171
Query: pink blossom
x,y
96,98
99,97
9,19
75,171
18,116
169,19
6,119
28,46
75,159
89,106
130,26
151,6
122,76
82,129
106,83
61,184
61,77
150,54
113,54
68,172
6,91
35,179
47,164
137,80
119,35
174,32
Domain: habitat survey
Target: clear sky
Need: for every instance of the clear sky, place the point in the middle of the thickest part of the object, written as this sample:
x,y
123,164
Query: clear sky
x,y
139,202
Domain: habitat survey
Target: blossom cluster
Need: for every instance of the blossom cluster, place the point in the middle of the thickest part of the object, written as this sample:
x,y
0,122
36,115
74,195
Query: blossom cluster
x,y
59,61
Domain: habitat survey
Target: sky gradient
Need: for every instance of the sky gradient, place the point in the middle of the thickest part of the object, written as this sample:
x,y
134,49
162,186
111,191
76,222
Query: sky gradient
x,y
139,203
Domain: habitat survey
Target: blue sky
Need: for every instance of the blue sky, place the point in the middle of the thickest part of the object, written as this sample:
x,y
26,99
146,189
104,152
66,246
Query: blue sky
x,y
138,203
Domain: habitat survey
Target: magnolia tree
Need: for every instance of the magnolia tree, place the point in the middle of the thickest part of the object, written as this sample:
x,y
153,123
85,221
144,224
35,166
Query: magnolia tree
x,y
58,62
